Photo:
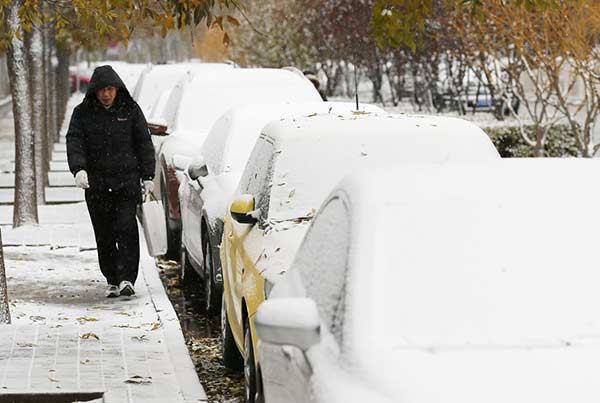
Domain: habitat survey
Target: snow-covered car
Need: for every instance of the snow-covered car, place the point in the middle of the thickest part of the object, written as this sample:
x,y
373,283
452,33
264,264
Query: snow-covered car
x,y
293,167
193,107
211,179
157,78
442,283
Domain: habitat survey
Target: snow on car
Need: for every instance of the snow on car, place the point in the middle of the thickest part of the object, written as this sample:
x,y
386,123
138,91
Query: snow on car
x,y
158,78
293,167
455,283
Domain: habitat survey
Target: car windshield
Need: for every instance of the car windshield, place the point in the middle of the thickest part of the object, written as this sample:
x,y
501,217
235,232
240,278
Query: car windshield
x,y
306,172
468,271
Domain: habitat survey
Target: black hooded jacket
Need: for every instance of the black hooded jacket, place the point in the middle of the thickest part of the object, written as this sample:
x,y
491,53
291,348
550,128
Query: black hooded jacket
x,y
112,145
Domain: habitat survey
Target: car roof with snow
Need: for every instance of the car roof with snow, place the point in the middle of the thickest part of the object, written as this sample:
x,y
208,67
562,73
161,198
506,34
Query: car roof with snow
x,y
157,78
467,246
197,102
230,141
304,157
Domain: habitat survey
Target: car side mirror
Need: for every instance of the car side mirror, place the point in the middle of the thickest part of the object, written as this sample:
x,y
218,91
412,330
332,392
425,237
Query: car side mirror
x,y
157,127
197,169
242,208
289,321
181,162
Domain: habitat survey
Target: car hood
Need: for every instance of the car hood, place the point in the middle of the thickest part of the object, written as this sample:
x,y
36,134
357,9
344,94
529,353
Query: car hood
x,y
551,374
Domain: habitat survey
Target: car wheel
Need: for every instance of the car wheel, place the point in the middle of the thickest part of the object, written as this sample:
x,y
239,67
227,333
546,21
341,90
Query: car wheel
x,y
171,235
211,296
187,271
249,367
232,358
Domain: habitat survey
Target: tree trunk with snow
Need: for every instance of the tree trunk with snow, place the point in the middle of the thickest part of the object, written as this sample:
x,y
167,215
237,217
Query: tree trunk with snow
x,y
25,203
4,306
36,74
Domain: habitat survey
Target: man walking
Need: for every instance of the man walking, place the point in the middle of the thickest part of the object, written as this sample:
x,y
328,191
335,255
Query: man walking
x,y
110,152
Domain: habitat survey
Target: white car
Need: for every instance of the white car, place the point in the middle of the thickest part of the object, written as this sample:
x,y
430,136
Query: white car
x,y
210,181
194,106
449,283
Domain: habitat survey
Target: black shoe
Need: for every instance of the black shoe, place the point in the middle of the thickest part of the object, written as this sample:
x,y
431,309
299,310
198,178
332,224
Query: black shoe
x,y
112,291
126,289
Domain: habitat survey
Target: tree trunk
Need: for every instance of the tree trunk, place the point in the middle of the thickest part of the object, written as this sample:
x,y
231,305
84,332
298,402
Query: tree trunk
x,y
25,203
4,306
51,62
36,74
62,76
49,139
538,149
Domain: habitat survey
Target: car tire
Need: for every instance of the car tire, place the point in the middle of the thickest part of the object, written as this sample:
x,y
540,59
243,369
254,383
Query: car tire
x,y
249,367
188,274
211,296
172,240
232,359
260,389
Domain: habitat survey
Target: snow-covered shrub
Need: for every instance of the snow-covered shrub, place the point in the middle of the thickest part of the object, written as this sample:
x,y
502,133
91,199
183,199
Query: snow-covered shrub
x,y
509,142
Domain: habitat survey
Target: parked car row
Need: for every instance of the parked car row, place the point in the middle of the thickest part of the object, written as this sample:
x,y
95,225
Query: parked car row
x,y
356,255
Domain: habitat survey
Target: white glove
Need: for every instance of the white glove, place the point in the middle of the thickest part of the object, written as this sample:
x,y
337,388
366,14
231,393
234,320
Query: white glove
x,y
81,180
148,187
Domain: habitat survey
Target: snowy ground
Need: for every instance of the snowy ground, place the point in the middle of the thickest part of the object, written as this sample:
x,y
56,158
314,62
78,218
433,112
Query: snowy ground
x,y
55,285
67,335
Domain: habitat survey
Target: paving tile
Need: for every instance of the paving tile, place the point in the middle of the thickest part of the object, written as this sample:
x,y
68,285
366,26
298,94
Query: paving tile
x,y
58,179
58,166
64,195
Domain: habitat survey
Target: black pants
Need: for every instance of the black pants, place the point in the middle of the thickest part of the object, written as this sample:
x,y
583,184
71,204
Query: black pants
x,y
116,231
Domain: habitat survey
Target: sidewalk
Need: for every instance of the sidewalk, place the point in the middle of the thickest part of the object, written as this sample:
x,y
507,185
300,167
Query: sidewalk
x,y
67,338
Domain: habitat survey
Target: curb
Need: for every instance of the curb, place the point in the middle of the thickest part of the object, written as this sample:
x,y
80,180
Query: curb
x,y
185,371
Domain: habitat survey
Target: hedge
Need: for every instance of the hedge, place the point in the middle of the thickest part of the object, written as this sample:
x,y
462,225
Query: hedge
x,y
509,142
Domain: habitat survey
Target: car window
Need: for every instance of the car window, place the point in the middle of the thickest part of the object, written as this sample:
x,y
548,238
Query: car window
x,y
257,178
214,145
172,106
322,262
